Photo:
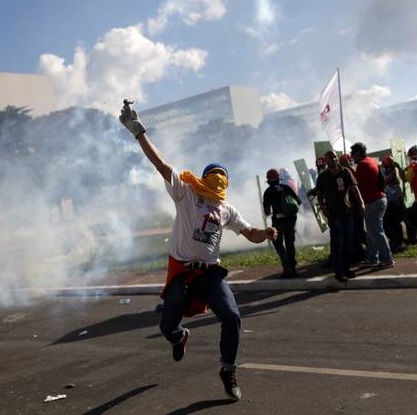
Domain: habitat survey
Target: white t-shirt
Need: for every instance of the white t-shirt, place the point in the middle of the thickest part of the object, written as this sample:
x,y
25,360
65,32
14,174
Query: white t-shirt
x,y
199,223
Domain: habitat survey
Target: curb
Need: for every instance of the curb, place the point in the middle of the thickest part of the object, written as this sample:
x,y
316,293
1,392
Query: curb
x,y
326,283
296,284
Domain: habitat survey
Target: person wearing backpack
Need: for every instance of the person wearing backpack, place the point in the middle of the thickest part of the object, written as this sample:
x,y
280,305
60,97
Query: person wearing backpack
x,y
280,201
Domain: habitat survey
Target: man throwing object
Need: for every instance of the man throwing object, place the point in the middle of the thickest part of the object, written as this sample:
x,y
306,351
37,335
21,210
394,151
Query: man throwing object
x,y
195,278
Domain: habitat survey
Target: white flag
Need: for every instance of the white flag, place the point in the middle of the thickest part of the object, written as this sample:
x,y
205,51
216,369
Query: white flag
x,y
330,109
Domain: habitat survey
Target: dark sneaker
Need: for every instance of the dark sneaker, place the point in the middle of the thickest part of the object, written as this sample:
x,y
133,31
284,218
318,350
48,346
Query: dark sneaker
x,y
340,277
367,263
178,349
230,385
287,273
349,274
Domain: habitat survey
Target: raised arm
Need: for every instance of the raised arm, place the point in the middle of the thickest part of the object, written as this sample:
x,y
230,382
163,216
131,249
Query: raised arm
x,y
154,156
129,118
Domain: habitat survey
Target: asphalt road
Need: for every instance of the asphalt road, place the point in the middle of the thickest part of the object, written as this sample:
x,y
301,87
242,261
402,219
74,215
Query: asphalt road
x,y
346,352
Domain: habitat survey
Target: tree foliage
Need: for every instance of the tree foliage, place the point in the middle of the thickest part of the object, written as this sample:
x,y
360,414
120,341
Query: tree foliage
x,y
12,123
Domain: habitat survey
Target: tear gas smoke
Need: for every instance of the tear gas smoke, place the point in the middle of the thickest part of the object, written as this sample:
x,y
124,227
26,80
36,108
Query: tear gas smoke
x,y
70,206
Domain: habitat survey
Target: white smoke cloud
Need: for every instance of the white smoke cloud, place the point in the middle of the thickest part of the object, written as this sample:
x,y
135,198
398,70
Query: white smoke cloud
x,y
263,26
266,13
371,98
380,64
63,226
189,11
121,63
358,108
388,27
69,80
276,102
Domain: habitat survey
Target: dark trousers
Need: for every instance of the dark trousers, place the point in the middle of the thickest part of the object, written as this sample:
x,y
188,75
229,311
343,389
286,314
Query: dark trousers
x,y
393,218
285,242
341,231
411,222
358,238
216,293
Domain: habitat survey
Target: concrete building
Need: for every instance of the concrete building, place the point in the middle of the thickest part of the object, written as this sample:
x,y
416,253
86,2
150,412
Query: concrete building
x,y
308,112
35,92
234,104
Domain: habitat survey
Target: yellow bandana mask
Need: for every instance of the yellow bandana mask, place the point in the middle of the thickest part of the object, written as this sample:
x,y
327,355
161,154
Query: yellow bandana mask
x,y
213,186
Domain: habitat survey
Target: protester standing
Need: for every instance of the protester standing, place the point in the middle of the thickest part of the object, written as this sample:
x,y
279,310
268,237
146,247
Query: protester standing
x,y
359,233
335,187
394,215
283,221
371,183
410,175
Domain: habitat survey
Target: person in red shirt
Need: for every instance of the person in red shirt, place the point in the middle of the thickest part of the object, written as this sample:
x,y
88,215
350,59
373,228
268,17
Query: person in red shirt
x,y
371,182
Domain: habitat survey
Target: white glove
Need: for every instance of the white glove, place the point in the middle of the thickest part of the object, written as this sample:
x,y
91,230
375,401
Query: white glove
x,y
129,118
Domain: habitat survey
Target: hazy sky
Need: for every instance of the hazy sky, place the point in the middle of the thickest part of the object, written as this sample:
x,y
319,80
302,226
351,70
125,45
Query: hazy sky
x,y
158,51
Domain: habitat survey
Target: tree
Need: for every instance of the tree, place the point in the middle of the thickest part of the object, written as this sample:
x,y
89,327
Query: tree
x,y
12,123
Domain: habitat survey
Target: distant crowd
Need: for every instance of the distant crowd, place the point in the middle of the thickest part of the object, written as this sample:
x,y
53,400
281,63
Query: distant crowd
x,y
363,203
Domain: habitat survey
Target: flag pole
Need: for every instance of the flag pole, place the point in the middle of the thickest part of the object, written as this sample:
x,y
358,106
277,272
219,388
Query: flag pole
x,y
341,111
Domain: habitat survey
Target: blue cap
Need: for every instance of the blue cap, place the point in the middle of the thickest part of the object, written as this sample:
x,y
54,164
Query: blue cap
x,y
213,166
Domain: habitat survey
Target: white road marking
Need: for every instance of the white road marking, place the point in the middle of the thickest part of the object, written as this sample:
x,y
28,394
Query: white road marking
x,y
336,372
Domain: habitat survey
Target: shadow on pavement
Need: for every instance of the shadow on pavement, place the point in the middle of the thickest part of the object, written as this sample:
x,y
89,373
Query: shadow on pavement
x,y
116,401
124,322
310,270
128,322
199,406
244,298
261,308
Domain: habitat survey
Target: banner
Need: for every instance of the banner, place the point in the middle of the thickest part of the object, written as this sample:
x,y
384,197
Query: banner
x,y
331,109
